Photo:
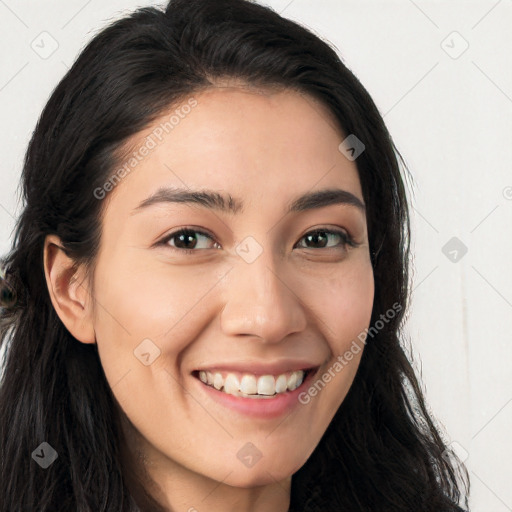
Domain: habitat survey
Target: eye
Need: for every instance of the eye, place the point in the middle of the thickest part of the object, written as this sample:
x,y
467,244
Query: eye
x,y
322,236
186,240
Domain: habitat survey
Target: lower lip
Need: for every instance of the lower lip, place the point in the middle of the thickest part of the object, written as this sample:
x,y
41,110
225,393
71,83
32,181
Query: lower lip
x,y
266,408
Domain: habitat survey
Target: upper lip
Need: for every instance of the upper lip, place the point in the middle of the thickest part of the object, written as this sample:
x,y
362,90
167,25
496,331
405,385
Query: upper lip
x,y
261,368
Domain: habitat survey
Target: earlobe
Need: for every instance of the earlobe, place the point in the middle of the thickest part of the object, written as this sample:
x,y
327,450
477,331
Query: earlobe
x,y
68,291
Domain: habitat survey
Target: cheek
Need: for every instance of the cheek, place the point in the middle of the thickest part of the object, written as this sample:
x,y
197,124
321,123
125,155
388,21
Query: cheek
x,y
137,302
344,303
343,308
151,299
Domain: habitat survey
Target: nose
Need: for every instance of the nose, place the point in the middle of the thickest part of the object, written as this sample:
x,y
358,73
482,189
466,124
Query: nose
x,y
261,301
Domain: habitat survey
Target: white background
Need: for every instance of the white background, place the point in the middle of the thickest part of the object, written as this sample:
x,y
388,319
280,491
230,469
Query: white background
x,y
450,114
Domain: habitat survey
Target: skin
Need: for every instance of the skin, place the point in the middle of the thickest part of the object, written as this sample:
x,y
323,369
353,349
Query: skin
x,y
266,148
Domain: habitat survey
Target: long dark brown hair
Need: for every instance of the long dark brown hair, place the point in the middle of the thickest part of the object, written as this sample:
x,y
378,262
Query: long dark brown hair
x,y
383,451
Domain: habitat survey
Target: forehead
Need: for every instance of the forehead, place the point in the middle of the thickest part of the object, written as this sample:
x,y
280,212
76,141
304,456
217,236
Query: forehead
x,y
259,144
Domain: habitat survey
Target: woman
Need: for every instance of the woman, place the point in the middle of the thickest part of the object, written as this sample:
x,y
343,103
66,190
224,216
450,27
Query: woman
x,y
206,286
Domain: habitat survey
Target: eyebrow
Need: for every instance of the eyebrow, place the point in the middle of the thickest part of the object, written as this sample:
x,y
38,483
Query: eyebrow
x,y
214,200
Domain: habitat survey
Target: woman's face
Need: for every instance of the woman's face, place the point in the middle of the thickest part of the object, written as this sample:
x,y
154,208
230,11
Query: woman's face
x,y
256,294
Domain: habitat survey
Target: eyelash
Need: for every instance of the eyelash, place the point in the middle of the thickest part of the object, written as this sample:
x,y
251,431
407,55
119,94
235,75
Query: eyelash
x,y
346,239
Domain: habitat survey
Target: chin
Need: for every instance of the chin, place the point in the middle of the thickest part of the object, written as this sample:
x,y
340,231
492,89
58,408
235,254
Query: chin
x,y
259,475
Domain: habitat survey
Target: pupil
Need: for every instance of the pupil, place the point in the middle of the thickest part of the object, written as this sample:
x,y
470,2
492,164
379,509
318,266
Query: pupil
x,y
315,236
187,236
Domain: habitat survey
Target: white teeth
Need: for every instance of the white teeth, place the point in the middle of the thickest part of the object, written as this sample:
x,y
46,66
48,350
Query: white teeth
x,y
218,381
266,385
292,381
281,384
251,386
231,384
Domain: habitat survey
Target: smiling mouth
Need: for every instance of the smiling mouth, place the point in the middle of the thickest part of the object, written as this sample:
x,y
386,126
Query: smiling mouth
x,y
248,385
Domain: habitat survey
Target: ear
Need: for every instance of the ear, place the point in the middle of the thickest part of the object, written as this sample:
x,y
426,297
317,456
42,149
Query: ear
x,y
68,291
